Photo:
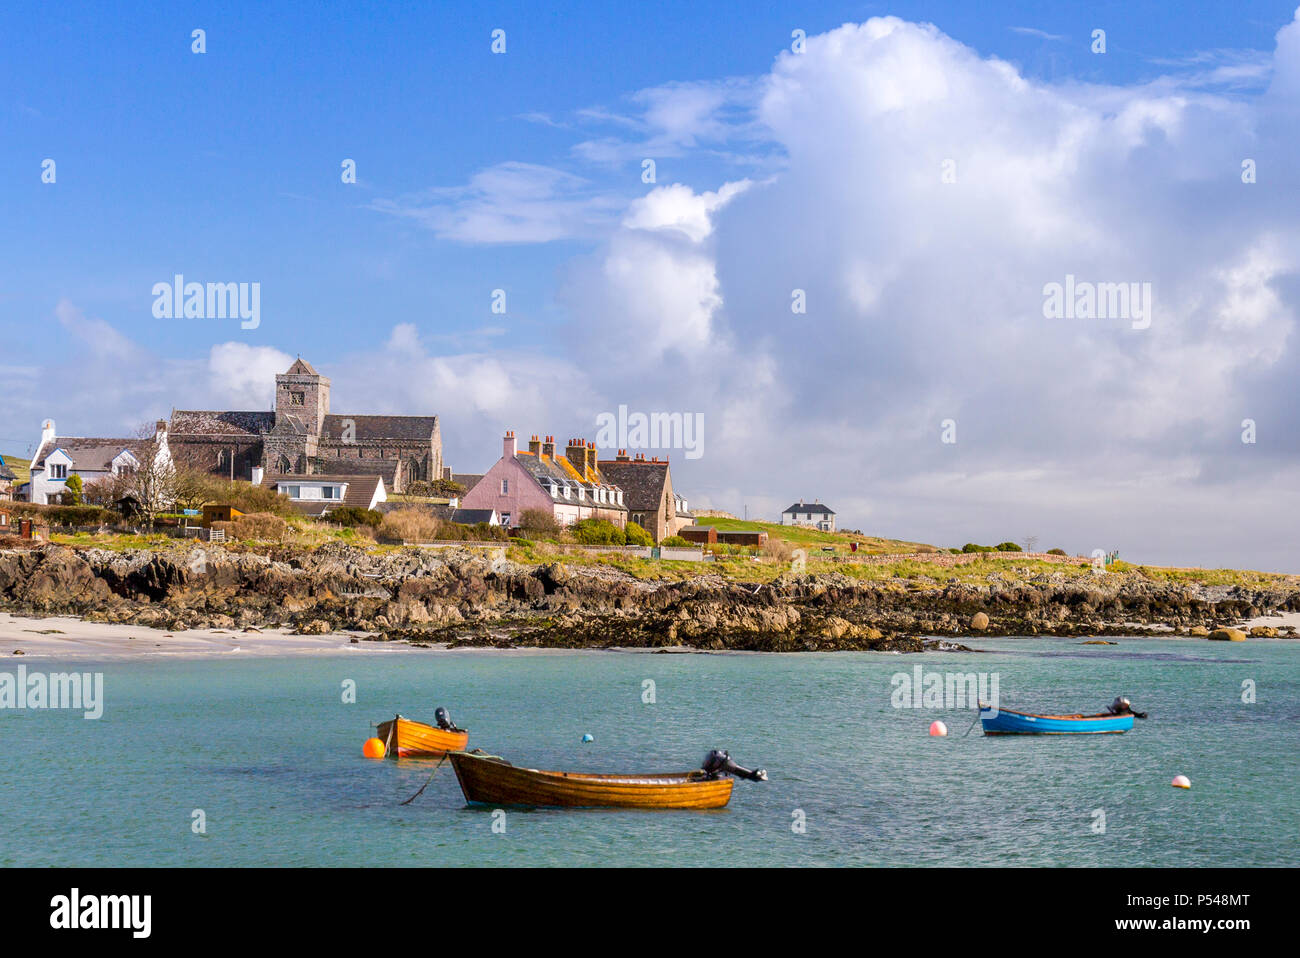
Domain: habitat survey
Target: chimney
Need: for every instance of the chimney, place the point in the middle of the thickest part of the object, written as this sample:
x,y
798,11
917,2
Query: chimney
x,y
622,456
592,468
47,431
577,456
548,447
257,475
535,446
508,447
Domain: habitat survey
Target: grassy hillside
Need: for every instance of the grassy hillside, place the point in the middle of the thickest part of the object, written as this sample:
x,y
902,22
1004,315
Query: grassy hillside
x,y
804,538
22,468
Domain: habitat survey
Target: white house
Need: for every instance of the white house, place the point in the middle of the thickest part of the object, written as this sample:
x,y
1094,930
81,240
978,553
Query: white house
x,y
317,495
812,514
58,457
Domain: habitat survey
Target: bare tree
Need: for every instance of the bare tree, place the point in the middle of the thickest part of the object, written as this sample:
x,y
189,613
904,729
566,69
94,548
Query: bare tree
x,y
149,487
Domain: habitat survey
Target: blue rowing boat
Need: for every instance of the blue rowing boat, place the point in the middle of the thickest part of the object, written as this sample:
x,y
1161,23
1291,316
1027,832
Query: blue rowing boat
x,y
1008,722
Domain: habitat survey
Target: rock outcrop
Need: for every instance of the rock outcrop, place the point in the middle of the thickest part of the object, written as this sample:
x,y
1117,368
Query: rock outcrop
x,y
464,598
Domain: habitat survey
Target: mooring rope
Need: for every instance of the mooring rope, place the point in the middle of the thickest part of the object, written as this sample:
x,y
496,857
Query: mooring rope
x,y
427,780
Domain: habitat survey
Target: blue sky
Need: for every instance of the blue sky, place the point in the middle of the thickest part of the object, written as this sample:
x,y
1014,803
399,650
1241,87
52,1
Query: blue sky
x,y
522,171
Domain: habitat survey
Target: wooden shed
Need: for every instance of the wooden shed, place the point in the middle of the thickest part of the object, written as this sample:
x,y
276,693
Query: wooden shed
x,y
219,513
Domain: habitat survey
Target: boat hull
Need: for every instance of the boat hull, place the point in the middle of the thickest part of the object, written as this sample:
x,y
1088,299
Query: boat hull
x,y
416,738
1007,722
491,781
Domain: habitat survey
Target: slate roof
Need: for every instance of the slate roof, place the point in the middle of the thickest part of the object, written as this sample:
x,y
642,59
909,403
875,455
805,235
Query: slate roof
x,y
5,472
471,517
202,422
93,455
816,508
416,428
642,482
360,491
467,479
558,471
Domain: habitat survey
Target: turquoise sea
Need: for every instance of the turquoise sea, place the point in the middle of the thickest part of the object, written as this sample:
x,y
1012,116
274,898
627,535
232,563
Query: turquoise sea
x,y
271,754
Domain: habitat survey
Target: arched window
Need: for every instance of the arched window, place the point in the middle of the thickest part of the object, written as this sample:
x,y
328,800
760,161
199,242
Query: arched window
x,y
284,466
413,470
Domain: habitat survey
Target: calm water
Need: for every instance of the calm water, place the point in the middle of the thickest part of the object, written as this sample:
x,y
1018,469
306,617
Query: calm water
x,y
267,749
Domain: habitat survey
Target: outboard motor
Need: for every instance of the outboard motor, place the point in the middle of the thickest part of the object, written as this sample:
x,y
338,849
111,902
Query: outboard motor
x,y
1122,706
718,763
443,718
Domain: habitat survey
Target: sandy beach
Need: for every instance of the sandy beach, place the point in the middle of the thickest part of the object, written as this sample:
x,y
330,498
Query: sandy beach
x,y
64,637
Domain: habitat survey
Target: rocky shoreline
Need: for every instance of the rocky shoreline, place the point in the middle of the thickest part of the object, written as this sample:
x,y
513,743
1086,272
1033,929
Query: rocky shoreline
x,y
460,598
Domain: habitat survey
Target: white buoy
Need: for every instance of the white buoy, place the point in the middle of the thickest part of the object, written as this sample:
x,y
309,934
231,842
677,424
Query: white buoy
x,y
1181,781
938,728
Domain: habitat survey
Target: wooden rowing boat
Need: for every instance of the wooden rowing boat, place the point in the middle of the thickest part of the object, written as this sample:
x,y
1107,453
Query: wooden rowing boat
x,y
1009,722
489,780
411,738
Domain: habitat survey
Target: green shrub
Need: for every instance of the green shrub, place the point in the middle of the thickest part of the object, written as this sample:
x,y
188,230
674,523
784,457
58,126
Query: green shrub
x,y
972,547
72,490
248,498
635,535
1008,547
1056,552
539,524
597,532
676,542
356,516
79,515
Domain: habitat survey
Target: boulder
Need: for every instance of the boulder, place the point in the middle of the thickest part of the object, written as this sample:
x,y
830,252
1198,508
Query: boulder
x,y
1263,632
1227,635
979,621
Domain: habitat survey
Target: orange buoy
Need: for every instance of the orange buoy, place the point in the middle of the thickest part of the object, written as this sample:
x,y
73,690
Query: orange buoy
x,y
938,728
1181,781
374,748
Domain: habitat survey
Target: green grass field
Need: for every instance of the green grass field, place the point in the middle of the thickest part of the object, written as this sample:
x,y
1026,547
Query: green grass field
x,y
802,537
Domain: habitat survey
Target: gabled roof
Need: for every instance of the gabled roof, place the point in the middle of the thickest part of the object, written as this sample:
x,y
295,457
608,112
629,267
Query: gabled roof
x,y
360,491
418,428
91,455
301,367
467,479
289,425
471,517
558,471
203,422
810,507
643,482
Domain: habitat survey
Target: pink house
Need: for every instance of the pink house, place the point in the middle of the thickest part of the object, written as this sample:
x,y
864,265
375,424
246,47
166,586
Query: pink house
x,y
569,487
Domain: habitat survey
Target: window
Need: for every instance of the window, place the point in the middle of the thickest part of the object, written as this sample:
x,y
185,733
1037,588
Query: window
x,y
284,466
58,470
296,398
293,492
329,492
505,487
